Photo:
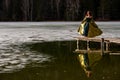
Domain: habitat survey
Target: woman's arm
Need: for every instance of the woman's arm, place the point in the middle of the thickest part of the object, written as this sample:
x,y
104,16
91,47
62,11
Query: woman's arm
x,y
83,20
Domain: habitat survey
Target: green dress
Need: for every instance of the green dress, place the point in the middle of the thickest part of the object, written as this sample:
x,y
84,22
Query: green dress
x,y
88,28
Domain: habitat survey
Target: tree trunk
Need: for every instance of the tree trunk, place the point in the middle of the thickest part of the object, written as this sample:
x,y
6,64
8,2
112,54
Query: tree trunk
x,y
25,9
31,9
57,6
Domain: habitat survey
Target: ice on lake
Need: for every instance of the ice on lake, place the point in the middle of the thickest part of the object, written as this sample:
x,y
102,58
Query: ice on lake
x,y
13,34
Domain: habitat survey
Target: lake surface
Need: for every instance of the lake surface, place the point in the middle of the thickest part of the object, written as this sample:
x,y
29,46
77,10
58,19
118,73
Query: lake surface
x,y
44,51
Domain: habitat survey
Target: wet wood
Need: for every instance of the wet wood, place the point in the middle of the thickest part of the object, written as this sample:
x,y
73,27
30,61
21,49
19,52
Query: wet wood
x,y
101,40
91,39
89,51
93,51
102,46
105,44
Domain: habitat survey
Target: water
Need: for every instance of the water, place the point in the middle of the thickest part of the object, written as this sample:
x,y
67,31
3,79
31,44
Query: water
x,y
44,51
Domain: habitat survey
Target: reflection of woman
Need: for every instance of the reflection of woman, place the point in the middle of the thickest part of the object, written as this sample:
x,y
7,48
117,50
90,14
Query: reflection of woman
x,y
84,61
88,28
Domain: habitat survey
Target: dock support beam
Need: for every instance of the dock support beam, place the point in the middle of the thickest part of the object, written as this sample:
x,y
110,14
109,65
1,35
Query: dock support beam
x,y
107,46
88,48
78,44
102,46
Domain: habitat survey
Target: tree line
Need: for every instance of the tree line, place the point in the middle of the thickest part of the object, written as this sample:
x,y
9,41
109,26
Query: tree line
x,y
60,10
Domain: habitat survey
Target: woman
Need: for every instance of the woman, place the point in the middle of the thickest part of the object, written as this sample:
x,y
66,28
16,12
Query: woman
x,y
88,28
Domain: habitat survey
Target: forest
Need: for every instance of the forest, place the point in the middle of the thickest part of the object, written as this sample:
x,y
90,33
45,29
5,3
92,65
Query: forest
x,y
58,10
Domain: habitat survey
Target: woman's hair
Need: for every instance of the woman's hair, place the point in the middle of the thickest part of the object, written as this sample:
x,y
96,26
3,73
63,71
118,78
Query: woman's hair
x,y
88,13
85,13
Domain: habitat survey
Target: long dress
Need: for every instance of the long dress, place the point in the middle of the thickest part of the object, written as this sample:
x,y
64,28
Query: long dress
x,y
88,28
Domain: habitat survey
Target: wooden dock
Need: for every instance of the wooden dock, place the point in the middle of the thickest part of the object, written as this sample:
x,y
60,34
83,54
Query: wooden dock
x,y
104,45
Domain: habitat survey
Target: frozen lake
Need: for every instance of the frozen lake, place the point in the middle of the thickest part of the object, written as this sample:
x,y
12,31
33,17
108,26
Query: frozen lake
x,y
13,35
49,31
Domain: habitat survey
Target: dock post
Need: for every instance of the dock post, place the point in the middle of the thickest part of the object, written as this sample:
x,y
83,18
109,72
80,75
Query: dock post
x,y
107,46
78,44
88,45
102,46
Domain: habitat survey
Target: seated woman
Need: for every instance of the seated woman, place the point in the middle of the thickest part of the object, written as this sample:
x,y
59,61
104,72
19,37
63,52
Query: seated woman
x,y
88,28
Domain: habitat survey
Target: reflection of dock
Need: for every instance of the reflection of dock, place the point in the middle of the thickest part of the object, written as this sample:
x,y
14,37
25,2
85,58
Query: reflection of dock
x,y
104,46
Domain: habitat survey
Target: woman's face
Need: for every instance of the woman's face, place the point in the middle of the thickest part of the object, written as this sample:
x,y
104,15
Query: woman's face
x,y
88,12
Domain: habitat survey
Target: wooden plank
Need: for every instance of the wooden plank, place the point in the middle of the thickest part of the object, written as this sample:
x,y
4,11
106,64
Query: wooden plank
x,y
90,51
114,40
90,39
102,51
114,53
94,51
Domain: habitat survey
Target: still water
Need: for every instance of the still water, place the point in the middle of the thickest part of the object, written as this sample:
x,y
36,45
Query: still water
x,y
44,51
56,61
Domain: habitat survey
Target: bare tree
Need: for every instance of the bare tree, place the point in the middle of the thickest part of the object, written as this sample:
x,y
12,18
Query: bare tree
x,y
25,9
6,4
57,7
31,9
72,9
